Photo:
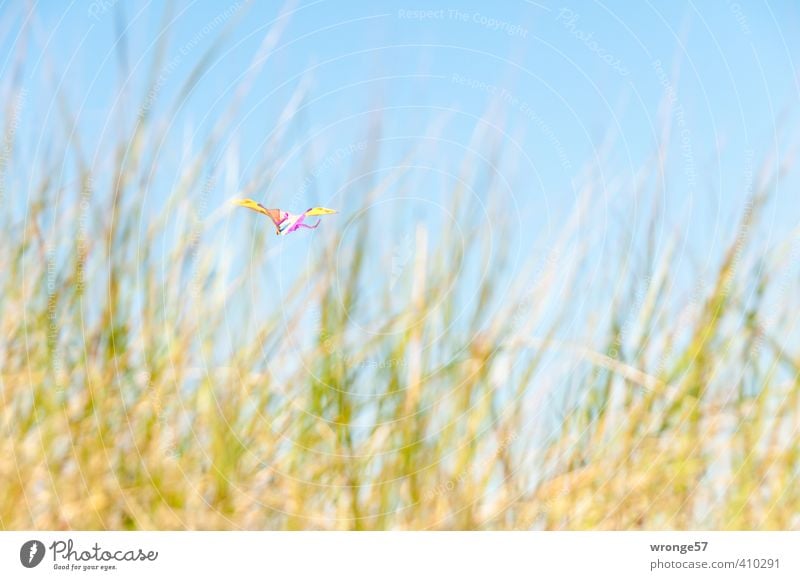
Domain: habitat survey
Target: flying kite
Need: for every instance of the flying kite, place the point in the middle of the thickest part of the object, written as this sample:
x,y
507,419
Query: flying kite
x,y
285,222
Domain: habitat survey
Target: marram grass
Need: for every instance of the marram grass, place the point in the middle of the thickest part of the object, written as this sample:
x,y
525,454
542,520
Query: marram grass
x,y
142,385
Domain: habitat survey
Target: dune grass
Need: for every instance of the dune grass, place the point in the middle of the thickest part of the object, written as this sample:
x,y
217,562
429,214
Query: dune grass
x,y
143,385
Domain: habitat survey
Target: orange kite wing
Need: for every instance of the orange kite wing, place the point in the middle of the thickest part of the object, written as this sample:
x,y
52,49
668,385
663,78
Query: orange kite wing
x,y
272,214
275,216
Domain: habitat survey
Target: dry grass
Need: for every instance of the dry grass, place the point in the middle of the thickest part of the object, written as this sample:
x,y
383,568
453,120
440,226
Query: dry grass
x,y
145,385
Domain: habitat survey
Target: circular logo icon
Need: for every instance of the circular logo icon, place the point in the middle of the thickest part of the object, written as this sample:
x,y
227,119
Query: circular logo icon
x,y
31,553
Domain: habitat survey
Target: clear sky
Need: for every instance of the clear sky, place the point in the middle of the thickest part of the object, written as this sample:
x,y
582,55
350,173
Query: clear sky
x,y
569,72
572,83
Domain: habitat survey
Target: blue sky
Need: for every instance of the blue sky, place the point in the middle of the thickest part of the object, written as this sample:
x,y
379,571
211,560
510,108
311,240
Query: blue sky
x,y
573,83
583,67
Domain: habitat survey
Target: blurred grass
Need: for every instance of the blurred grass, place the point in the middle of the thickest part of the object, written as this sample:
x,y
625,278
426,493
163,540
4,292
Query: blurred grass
x,y
132,399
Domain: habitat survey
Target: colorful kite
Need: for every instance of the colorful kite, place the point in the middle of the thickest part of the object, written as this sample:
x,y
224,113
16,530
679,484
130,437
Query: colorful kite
x,y
285,222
